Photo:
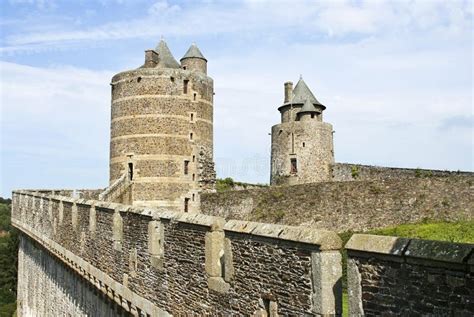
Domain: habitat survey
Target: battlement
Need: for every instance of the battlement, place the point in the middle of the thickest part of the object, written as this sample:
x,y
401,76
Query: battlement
x,y
152,262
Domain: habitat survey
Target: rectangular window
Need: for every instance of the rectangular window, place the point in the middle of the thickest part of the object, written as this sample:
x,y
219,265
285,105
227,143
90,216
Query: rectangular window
x,y
194,177
191,136
186,167
186,204
194,97
294,166
194,157
192,117
185,86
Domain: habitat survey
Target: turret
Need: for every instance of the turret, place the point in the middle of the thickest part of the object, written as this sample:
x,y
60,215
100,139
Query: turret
x,y
308,112
193,60
302,144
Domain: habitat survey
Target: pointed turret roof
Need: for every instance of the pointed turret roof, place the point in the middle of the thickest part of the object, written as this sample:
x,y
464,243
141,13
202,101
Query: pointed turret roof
x,y
166,58
301,93
194,52
308,107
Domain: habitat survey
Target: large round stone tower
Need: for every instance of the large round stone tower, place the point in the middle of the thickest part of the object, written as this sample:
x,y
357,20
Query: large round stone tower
x,y
161,143
302,144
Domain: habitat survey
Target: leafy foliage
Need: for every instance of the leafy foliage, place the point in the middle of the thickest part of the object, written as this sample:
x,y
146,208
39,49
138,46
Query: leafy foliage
x,y
8,260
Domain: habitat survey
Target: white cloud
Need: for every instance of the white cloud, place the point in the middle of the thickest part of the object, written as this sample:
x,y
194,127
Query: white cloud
x,y
54,121
335,18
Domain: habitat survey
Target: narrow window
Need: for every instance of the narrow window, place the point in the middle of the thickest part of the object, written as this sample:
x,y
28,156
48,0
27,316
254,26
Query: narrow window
x,y
130,171
194,177
186,167
191,136
139,79
194,96
312,116
186,204
292,143
192,117
294,166
193,197
303,144
172,79
194,157
185,86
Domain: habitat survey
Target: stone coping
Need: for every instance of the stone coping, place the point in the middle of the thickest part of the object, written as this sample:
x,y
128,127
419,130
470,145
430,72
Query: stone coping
x,y
215,223
116,291
324,239
412,248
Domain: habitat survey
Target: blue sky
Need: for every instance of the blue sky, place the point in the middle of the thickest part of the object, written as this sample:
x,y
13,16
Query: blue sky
x,y
396,77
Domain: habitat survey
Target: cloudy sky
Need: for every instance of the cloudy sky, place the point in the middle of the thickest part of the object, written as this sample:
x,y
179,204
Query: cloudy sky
x,y
396,77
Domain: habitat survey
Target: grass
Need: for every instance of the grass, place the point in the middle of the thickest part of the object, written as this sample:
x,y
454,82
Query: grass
x,y
460,231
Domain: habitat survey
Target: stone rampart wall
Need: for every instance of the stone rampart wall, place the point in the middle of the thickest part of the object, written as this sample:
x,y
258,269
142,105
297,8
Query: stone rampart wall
x,y
358,172
400,277
162,263
47,286
343,206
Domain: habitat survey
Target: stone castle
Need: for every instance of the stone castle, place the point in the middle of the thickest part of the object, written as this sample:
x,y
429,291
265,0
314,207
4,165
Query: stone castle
x,y
160,241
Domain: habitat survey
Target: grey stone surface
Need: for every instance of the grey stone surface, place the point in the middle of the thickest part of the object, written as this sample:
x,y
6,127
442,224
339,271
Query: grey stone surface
x,y
352,205
177,263
440,284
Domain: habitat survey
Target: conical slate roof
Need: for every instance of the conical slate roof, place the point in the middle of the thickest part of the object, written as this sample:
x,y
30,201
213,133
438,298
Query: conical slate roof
x,y
194,52
308,107
301,93
166,58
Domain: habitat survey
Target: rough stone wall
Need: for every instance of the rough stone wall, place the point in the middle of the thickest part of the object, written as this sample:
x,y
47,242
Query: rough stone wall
x,y
358,172
194,64
391,276
310,143
47,287
343,206
180,263
157,126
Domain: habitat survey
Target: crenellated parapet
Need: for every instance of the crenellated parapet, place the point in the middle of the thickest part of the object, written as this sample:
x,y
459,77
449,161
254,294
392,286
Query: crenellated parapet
x,y
156,262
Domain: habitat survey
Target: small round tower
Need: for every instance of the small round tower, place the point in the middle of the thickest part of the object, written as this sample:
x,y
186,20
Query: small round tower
x,y
193,60
162,131
302,144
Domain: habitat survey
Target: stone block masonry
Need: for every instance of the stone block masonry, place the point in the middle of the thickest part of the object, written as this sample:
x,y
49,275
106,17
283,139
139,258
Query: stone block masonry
x,y
392,276
355,205
155,263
